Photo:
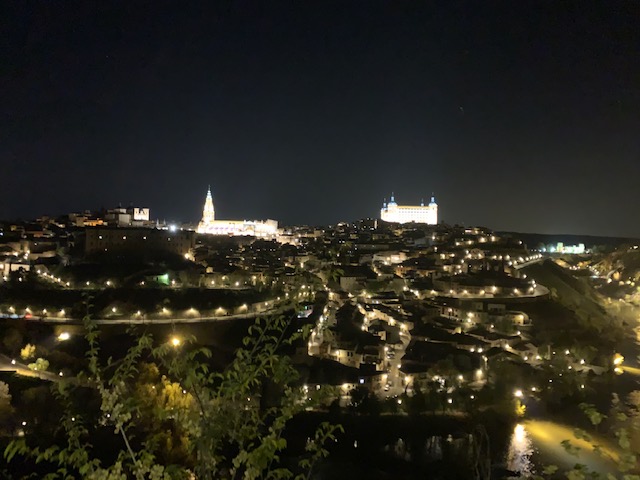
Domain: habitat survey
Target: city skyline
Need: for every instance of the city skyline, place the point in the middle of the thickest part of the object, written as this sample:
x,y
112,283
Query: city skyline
x,y
520,118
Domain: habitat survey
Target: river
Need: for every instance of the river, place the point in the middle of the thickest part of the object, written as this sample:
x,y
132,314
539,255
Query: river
x,y
537,443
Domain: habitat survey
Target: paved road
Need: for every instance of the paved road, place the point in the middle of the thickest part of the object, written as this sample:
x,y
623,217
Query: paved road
x,y
539,291
159,321
518,266
8,364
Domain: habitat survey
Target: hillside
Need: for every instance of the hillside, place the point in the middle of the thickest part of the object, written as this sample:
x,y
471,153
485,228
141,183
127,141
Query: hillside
x,y
590,241
575,311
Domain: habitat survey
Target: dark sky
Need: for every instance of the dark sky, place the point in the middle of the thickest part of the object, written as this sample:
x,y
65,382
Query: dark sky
x,y
519,115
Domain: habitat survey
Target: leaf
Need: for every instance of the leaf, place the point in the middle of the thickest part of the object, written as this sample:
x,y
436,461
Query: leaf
x,y
570,448
14,447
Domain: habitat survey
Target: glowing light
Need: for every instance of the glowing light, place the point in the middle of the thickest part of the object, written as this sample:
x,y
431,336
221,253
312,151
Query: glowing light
x,y
175,341
519,433
64,336
517,393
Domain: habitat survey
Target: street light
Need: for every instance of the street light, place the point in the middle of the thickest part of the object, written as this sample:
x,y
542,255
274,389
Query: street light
x,y
175,341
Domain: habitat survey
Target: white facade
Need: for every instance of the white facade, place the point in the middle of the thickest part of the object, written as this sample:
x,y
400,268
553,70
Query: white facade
x,y
392,212
209,225
141,214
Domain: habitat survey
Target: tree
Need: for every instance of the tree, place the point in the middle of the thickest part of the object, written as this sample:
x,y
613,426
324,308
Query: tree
x,y
229,424
335,273
417,403
40,365
6,410
364,401
28,352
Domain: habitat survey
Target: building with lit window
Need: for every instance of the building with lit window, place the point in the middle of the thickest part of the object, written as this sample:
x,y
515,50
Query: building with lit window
x,y
138,241
392,212
209,225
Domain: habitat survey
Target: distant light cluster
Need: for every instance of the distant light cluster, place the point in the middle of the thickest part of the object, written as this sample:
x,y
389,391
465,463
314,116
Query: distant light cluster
x,y
209,225
392,212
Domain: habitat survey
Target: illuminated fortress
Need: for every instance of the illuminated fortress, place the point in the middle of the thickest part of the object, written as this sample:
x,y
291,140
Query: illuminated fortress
x,y
209,225
392,212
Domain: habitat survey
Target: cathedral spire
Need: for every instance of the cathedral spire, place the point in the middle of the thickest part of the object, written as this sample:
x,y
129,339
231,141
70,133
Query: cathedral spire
x,y
208,212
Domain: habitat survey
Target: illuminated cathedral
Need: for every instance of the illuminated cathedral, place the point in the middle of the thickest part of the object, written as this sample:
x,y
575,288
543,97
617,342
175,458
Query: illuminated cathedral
x,y
209,225
392,212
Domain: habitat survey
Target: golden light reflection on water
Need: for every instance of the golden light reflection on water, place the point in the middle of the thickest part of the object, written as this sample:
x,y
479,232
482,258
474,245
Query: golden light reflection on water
x,y
544,438
520,451
631,370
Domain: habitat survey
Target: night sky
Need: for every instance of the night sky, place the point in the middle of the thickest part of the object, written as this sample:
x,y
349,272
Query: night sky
x,y
520,115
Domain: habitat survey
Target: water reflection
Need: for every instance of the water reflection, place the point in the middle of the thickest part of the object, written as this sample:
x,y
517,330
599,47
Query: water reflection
x,y
520,451
536,443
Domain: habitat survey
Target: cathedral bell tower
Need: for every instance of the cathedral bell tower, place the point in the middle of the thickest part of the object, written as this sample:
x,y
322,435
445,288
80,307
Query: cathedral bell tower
x,y
208,213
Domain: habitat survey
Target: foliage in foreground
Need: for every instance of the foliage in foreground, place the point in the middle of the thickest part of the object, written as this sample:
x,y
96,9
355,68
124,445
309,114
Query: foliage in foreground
x,y
624,425
190,422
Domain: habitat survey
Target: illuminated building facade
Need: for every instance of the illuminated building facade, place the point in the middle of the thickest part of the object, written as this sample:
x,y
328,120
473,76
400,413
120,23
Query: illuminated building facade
x,y
392,212
209,225
128,217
